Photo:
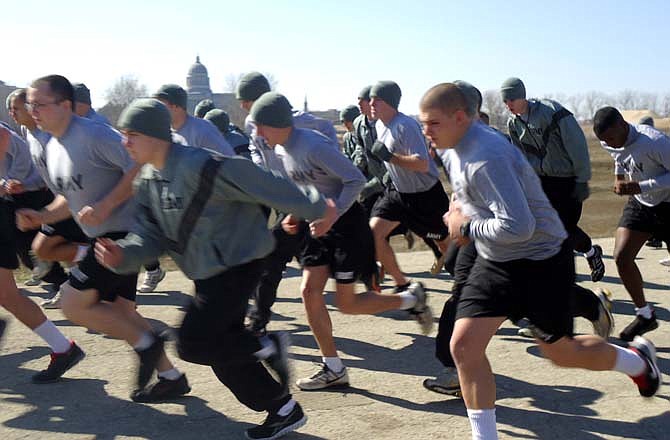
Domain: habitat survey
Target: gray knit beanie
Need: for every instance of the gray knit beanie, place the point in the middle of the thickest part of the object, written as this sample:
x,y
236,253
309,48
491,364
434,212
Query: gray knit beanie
x,y
472,95
272,109
219,118
81,93
203,107
147,116
364,94
388,91
252,86
173,94
349,113
512,89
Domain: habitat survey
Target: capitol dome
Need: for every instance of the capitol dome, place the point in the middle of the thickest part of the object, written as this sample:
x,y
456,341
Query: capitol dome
x,y
197,80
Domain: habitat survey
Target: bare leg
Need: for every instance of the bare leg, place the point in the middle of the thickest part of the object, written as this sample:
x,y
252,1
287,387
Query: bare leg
x,y
381,229
366,303
313,283
626,247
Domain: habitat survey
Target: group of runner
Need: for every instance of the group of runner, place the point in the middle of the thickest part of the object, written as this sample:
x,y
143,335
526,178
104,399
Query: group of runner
x,y
76,192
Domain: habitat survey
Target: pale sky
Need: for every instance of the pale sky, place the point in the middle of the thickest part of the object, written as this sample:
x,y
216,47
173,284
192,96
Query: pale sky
x,y
330,50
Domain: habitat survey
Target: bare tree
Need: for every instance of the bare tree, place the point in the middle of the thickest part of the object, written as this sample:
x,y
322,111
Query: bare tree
x,y
664,105
124,91
591,102
626,100
493,105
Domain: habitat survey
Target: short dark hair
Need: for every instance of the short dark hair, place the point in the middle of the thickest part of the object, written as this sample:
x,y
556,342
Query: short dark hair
x,y
605,118
446,97
59,86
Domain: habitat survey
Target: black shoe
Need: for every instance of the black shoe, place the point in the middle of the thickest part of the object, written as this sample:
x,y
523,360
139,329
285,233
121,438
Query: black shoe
x,y
276,426
258,327
639,326
162,390
278,362
596,264
649,381
401,288
3,325
148,361
654,243
60,363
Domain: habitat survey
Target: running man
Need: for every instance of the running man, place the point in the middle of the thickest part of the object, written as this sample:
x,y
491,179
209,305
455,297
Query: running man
x,y
342,248
93,174
555,145
65,354
222,249
415,196
641,171
524,267
82,104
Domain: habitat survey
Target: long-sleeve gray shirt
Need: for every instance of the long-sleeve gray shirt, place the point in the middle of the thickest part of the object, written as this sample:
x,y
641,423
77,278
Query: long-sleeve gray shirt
x,y
403,136
565,154
202,133
84,165
231,230
18,165
511,217
645,158
308,157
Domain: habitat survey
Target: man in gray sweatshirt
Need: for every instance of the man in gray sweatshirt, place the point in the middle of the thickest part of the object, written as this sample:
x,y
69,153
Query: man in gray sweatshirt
x,y
205,210
92,175
342,248
642,172
555,146
524,265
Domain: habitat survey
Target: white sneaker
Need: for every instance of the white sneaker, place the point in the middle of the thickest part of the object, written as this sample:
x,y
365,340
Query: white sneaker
x,y
421,311
324,378
53,302
604,325
41,268
33,281
438,264
151,280
664,262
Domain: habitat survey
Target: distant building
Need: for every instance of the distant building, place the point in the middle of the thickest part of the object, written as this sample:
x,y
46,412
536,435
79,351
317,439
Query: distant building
x,y
197,88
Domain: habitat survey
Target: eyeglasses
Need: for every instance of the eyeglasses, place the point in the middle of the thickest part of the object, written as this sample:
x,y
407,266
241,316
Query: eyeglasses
x,y
37,106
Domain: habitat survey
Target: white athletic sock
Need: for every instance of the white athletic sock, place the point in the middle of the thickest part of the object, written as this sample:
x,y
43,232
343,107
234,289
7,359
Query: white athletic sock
x,y
408,300
144,342
334,363
644,311
287,408
82,250
53,337
269,348
628,362
483,424
590,253
171,374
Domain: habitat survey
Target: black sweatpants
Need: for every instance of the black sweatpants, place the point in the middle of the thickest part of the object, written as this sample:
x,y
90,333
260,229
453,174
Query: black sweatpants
x,y
559,191
213,334
24,239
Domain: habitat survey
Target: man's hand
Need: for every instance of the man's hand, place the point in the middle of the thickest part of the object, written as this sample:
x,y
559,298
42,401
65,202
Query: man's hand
x,y
290,225
626,188
28,219
108,253
454,219
13,186
320,226
380,150
581,191
93,215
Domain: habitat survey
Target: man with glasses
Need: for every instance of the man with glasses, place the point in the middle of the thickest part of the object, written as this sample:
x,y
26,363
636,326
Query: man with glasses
x,y
92,174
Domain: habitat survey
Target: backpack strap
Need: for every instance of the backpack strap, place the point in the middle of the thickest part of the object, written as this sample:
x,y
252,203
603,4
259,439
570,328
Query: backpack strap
x,y
197,205
553,126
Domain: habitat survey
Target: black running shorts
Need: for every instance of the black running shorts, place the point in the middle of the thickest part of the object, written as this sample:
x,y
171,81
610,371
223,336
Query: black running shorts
x,y
68,229
89,274
421,212
8,259
537,290
348,248
652,219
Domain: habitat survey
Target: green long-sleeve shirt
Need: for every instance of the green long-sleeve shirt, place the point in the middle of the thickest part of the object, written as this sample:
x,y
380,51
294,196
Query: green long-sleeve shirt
x,y
565,153
231,229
